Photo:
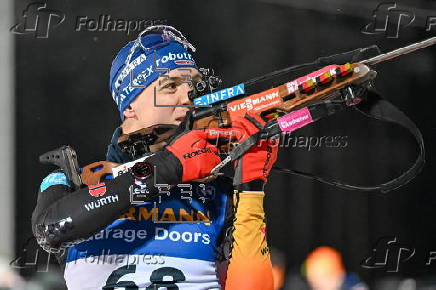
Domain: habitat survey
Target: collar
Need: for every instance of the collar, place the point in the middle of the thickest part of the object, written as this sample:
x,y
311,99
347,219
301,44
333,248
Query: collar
x,y
114,153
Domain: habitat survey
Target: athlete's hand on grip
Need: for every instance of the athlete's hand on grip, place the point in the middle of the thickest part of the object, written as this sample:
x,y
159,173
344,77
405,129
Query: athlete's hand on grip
x,y
196,155
190,154
252,168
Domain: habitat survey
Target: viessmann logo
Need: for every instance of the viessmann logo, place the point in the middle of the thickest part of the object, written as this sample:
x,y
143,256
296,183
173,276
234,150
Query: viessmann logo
x,y
254,102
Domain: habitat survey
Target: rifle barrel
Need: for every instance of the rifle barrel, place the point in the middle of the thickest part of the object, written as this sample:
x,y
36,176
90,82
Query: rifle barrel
x,y
400,51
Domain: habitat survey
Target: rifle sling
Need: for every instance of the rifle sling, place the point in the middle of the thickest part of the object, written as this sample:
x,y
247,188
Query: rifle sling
x,y
373,106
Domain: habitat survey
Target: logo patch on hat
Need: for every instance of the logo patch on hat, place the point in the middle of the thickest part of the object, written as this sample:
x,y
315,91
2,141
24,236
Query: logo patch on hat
x,y
184,62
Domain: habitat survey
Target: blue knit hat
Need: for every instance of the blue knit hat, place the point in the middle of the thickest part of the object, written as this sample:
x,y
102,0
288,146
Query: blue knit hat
x,y
143,60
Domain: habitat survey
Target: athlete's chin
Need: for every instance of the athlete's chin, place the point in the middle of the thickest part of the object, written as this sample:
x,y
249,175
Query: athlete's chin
x,y
179,120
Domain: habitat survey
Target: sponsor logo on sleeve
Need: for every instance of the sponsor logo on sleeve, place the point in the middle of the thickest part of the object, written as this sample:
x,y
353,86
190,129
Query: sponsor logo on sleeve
x,y
56,178
97,190
101,202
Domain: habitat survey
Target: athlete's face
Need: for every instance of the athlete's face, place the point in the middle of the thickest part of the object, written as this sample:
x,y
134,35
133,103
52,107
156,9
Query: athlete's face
x,y
171,90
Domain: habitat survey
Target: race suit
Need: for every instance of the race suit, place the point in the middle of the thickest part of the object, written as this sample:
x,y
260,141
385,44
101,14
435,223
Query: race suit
x,y
180,240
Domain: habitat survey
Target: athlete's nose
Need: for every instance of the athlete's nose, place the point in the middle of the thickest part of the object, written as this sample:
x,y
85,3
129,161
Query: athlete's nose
x,y
185,90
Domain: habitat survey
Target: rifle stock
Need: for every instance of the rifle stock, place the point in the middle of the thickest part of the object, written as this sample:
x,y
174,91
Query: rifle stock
x,y
322,84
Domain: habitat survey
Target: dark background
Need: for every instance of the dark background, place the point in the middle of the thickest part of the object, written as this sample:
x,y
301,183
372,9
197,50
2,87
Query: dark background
x,y
62,97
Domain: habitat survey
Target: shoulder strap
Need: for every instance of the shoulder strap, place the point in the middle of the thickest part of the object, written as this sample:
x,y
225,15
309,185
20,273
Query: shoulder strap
x,y
374,106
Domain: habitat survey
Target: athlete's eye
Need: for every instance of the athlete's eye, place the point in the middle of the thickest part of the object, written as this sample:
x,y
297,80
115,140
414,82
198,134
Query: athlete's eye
x,y
171,85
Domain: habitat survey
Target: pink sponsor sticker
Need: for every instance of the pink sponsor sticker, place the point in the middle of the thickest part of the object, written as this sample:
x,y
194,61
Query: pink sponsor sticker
x,y
293,85
295,120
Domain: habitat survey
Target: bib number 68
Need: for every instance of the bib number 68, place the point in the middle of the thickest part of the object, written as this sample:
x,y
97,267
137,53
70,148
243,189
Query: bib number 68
x,y
156,278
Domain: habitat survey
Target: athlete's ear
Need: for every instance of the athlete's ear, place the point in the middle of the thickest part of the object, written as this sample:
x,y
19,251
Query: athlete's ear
x,y
129,112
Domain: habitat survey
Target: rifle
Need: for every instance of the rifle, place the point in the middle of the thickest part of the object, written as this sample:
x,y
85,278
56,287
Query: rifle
x,y
324,84
288,107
